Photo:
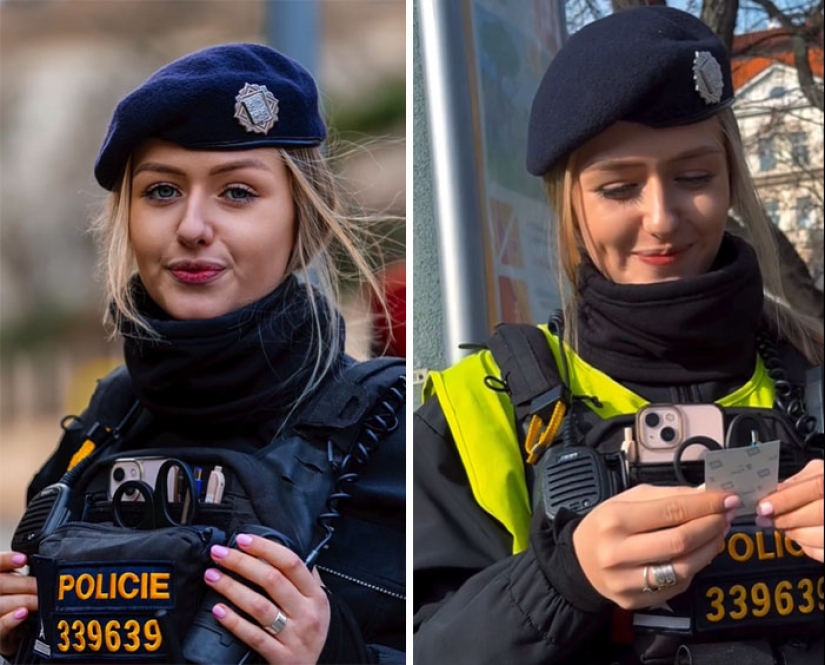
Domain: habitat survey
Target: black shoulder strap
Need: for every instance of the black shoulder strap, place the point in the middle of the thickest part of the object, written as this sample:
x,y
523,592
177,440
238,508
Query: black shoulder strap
x,y
113,409
337,411
527,367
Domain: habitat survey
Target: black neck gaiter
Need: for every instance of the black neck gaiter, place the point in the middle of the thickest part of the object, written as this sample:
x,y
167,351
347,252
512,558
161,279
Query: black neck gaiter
x,y
690,330
248,366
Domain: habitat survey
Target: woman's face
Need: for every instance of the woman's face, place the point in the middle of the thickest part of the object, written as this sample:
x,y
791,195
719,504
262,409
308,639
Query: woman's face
x,y
651,204
211,231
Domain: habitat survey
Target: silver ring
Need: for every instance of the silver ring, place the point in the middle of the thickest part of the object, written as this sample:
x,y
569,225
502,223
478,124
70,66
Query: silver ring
x,y
277,625
647,588
664,574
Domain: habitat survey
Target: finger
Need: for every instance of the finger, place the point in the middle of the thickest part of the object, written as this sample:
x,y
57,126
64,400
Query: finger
x,y
8,623
17,601
674,509
258,607
812,468
675,542
263,573
250,634
12,583
806,537
685,569
810,515
793,496
12,560
284,559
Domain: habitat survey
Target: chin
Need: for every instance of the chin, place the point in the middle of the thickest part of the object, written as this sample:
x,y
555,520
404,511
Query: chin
x,y
196,312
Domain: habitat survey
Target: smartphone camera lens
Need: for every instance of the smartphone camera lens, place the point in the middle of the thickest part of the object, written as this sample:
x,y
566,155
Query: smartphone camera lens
x,y
651,419
668,434
118,474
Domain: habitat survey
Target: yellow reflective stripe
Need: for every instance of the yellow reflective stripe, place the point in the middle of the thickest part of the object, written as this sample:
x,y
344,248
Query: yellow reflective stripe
x,y
481,422
482,425
616,400
760,391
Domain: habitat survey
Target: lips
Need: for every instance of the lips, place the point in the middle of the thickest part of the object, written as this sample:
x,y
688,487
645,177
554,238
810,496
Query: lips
x,y
196,272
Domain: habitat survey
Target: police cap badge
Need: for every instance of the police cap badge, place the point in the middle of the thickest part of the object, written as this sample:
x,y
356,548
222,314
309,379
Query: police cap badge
x,y
227,97
654,65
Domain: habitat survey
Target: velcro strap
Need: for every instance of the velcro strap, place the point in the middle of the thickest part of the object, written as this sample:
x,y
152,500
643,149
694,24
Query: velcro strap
x,y
527,365
345,399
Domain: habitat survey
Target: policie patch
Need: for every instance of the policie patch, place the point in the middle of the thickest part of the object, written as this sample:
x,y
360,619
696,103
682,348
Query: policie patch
x,y
97,609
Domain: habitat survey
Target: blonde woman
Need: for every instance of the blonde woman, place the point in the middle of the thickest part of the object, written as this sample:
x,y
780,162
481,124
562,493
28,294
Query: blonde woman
x,y
217,241
613,557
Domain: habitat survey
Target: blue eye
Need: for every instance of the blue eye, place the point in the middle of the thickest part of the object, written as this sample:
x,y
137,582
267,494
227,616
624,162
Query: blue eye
x,y
239,194
161,192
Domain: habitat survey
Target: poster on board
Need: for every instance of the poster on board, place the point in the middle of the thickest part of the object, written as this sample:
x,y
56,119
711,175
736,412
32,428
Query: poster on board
x,y
509,51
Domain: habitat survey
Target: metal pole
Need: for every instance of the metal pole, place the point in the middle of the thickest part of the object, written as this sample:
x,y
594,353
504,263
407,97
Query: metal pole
x,y
455,171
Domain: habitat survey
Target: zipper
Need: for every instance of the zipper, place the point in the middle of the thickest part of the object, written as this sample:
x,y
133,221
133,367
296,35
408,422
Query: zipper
x,y
362,583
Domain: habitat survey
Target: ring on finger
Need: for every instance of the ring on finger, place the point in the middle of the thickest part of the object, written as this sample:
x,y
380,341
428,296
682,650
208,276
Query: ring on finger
x,y
277,624
664,574
646,581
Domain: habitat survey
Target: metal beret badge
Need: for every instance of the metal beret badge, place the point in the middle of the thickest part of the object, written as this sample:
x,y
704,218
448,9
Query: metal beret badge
x,y
708,77
256,108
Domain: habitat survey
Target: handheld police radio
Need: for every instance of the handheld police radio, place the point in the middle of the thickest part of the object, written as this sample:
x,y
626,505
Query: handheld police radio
x,y
576,478
53,506
207,642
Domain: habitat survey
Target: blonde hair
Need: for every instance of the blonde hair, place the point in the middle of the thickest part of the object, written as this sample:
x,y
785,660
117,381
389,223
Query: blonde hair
x,y
804,331
324,234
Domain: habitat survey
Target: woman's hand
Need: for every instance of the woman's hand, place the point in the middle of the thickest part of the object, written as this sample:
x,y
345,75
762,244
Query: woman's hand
x,y
796,509
295,609
18,597
621,541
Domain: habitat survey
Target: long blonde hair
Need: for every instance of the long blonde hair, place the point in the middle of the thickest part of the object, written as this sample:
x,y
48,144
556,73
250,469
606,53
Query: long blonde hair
x,y
324,233
804,331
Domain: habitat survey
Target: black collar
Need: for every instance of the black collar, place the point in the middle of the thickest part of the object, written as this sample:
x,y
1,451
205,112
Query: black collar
x,y
249,366
697,329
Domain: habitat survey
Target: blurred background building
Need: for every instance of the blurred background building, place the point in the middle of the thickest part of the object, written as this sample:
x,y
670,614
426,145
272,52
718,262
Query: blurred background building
x,y
64,64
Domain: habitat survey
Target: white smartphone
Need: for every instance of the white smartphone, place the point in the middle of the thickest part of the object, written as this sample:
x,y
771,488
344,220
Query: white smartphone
x,y
661,429
138,468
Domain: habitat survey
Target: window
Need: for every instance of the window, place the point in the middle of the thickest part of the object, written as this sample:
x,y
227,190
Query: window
x,y
767,156
772,210
799,148
805,213
778,91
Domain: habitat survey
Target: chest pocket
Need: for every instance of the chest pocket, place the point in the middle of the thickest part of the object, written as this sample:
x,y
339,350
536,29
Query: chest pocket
x,y
365,567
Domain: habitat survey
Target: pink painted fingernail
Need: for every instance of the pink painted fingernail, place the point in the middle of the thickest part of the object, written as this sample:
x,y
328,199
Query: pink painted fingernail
x,y
20,613
730,515
764,508
18,559
219,611
244,540
732,501
212,575
219,551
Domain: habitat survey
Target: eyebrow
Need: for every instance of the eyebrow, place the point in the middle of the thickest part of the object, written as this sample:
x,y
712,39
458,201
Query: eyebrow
x,y
630,162
157,167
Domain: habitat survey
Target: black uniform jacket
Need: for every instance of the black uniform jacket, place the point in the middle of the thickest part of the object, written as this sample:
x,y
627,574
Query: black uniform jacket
x,y
474,601
230,383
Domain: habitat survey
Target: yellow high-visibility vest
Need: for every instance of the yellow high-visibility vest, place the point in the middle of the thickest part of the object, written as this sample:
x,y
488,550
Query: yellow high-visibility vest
x,y
482,424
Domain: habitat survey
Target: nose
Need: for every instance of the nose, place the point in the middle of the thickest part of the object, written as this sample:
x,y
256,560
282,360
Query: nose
x,y
194,227
661,215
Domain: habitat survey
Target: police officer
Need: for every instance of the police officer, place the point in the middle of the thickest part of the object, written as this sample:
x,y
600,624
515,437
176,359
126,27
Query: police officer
x,y
220,200
633,134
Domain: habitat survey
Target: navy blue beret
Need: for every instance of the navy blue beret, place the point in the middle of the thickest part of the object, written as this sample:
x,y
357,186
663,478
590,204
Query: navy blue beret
x,y
657,66
232,96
